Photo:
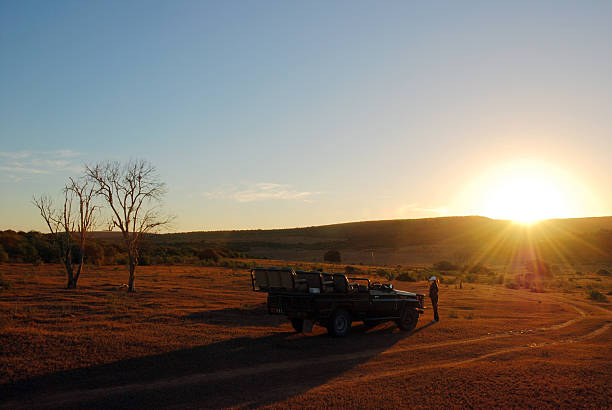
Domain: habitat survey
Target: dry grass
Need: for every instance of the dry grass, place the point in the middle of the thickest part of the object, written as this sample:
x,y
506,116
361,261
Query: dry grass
x,y
205,331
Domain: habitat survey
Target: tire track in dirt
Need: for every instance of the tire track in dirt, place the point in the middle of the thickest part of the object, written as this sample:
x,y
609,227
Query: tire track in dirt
x,y
457,363
71,397
353,380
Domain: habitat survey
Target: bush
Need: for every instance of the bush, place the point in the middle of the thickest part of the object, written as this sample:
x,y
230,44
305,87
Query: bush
x,y
512,285
390,275
351,270
470,278
4,284
209,254
144,260
538,268
596,295
476,268
406,277
537,287
4,257
381,272
599,272
332,256
445,266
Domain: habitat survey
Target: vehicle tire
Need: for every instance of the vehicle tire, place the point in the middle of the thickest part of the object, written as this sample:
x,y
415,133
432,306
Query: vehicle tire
x,y
339,323
298,324
408,319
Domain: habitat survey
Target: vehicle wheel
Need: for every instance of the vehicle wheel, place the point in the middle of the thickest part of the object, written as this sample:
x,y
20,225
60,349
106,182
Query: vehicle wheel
x,y
409,319
298,324
339,323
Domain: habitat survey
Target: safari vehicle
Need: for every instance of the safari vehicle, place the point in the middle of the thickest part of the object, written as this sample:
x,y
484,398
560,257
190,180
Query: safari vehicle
x,y
334,300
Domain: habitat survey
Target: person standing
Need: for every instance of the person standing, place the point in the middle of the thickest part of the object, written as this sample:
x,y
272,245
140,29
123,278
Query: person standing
x,y
433,295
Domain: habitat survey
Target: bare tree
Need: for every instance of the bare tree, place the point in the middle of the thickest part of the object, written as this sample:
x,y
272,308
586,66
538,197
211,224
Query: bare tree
x,y
84,192
61,225
133,192
64,225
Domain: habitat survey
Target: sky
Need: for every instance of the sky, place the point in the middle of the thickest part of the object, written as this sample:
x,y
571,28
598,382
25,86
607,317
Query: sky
x,y
265,114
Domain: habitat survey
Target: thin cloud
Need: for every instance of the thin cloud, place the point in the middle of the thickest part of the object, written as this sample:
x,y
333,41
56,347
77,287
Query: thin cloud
x,y
22,170
414,210
22,164
260,192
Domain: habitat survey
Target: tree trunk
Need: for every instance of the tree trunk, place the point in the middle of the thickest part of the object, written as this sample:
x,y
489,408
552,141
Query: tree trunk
x,y
80,267
132,262
71,280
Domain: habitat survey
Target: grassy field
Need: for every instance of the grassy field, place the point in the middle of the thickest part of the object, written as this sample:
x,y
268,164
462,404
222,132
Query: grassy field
x,y
198,337
462,240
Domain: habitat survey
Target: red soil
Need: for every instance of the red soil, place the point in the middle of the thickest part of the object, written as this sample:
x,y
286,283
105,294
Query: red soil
x,y
199,337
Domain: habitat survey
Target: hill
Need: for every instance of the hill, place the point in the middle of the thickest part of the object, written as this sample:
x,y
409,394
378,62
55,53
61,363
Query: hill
x,y
459,239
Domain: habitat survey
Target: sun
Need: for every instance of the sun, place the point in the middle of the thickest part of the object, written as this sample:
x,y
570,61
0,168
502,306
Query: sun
x,y
525,200
526,192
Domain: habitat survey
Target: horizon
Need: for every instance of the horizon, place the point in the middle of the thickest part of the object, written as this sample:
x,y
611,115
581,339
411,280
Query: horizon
x,y
510,221
273,116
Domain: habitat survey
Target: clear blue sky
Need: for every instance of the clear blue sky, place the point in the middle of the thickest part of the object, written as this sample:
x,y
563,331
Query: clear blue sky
x,y
265,114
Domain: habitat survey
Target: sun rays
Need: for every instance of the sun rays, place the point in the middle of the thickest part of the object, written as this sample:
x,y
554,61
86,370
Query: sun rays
x,y
514,244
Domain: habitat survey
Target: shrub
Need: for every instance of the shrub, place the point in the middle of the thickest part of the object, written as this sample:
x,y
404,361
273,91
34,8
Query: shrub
x,y
445,266
476,268
493,279
4,257
381,272
209,254
537,287
4,284
144,260
470,278
406,277
512,285
351,270
332,256
538,268
603,272
528,280
596,295
390,275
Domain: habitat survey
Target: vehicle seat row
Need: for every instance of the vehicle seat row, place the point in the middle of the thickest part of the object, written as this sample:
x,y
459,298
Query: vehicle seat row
x,y
301,281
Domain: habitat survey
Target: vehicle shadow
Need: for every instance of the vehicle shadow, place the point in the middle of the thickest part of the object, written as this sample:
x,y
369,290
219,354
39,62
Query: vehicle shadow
x,y
255,315
240,372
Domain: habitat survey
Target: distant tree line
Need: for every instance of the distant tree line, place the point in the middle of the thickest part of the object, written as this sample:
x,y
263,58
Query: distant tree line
x,y
39,248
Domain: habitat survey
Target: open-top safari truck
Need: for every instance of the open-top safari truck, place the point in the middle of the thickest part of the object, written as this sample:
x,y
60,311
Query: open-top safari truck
x,y
334,300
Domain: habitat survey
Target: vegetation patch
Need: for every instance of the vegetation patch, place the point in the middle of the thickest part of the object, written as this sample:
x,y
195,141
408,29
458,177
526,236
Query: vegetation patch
x,y
596,295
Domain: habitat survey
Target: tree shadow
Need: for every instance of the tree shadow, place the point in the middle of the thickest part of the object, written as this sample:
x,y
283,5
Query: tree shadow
x,y
243,372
